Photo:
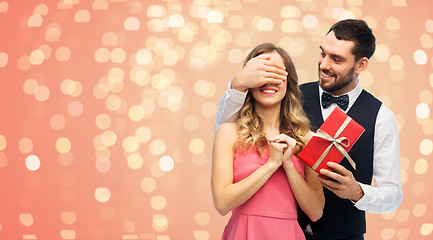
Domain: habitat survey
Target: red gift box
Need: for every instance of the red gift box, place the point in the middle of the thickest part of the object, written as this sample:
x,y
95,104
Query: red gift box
x,y
331,142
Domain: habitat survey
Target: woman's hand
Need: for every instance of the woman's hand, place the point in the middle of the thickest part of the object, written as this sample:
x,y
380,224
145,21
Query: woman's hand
x,y
290,146
276,153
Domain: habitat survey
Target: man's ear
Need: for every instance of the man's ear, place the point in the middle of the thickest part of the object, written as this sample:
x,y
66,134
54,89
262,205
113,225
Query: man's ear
x,y
361,65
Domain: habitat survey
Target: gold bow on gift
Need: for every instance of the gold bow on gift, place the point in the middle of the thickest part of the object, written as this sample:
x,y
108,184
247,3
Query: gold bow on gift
x,y
335,141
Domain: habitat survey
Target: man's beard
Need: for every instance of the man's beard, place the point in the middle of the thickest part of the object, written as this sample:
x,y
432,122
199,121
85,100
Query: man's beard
x,y
339,83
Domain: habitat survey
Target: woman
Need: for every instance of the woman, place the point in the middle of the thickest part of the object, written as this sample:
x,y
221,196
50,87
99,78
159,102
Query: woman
x,y
255,173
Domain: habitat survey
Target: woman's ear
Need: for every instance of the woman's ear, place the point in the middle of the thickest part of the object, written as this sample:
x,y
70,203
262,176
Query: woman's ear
x,y
361,65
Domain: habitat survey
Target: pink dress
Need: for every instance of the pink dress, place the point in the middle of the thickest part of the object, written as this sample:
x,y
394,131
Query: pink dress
x,y
271,213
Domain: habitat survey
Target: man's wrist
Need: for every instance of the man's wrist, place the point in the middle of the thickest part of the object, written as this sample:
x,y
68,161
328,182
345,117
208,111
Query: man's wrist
x,y
235,85
358,195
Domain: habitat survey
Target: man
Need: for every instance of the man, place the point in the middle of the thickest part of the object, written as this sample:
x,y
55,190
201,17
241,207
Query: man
x,y
345,53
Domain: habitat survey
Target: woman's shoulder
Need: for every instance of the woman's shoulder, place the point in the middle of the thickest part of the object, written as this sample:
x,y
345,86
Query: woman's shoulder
x,y
227,129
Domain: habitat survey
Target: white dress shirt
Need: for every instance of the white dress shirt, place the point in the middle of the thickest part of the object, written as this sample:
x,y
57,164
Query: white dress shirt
x,y
386,194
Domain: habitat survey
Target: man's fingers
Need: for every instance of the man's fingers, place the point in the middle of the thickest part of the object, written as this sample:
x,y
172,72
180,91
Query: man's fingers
x,y
330,174
338,168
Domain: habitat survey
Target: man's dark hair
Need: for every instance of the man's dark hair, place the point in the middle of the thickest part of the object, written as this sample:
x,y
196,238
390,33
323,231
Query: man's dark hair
x,y
359,32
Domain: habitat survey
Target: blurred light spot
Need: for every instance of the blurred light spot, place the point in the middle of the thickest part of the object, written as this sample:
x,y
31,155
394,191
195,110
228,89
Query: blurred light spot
x,y
196,145
166,163
202,218
392,23
116,75
204,88
118,55
29,236
67,234
4,8
290,12
426,41
3,59
37,57
131,24
63,145
265,24
102,55
157,147
108,213
426,229
75,108
25,145
157,25
170,58
66,159
388,216
143,57
420,166
68,217
103,121
35,21
135,161
53,32
387,233
429,25
41,9
235,55
139,76
129,226
160,223
130,144
143,134
402,215
236,22
103,164
148,184
176,21
396,62
366,79
110,39
71,88
399,3
419,210
422,111
63,54
3,142
26,219
156,11
158,202
191,123
33,163
113,102
42,94
209,109
426,146
214,16
382,53
102,194
3,160
82,16
23,63
148,106
420,57
310,21
136,113
295,47
57,122
201,235
291,25
428,126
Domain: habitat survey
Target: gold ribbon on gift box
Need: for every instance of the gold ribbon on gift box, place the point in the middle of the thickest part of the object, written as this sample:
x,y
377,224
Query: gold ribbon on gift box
x,y
335,141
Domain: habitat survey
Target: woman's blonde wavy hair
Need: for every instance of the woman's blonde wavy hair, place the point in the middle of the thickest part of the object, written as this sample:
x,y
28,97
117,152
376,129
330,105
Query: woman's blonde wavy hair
x,y
293,121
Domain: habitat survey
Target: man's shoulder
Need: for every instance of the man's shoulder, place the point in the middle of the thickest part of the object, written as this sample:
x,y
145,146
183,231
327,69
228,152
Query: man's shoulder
x,y
309,87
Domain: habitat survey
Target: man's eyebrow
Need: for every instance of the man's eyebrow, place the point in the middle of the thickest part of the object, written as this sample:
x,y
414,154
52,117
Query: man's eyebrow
x,y
332,55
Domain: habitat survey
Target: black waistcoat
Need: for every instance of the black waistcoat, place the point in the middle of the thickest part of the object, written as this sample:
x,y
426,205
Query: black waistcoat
x,y
340,217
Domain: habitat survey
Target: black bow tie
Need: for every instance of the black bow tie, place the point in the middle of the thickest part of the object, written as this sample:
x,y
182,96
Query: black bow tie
x,y
341,101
